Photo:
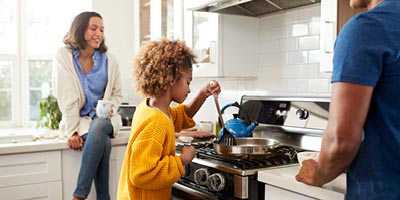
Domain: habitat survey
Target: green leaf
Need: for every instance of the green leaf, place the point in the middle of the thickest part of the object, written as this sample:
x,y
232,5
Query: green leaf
x,y
50,114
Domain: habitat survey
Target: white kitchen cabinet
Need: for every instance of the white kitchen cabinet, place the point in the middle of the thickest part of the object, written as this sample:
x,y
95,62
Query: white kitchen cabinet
x,y
280,183
328,33
48,190
334,14
226,45
273,193
31,176
71,160
159,18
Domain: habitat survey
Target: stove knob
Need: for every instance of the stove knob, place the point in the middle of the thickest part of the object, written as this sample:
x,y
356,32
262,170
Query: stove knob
x,y
187,170
302,113
201,175
216,182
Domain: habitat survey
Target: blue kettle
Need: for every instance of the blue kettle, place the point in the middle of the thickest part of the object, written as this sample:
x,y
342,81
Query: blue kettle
x,y
237,126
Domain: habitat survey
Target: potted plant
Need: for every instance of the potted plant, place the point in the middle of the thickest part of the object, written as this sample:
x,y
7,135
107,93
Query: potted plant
x,y
50,114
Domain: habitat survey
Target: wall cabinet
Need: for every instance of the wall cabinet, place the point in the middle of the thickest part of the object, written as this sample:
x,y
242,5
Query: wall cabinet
x,y
31,176
159,18
334,14
226,45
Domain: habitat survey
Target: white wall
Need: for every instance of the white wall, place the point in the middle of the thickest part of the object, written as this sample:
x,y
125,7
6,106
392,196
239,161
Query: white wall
x,y
118,17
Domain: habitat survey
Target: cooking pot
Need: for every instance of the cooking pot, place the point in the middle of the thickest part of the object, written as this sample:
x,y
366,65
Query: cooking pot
x,y
247,146
236,126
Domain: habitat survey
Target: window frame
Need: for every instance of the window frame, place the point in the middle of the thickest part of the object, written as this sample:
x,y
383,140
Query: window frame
x,y
20,82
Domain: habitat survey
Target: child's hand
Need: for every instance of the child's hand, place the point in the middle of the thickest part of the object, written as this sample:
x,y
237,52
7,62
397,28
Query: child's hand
x,y
212,88
187,155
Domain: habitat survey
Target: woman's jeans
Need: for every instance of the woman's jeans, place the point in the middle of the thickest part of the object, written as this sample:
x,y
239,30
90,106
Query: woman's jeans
x,y
95,162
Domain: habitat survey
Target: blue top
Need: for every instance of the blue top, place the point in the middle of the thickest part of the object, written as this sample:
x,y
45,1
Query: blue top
x,y
94,83
367,52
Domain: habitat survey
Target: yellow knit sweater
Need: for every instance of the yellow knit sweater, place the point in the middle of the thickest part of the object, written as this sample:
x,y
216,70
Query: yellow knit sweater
x,y
150,165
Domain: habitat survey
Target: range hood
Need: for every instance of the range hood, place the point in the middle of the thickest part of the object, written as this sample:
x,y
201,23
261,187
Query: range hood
x,y
254,8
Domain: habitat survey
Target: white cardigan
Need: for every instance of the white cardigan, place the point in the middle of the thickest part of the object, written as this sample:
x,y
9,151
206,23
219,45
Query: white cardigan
x,y
69,93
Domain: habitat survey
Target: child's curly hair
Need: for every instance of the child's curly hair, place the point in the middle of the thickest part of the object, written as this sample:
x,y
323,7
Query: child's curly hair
x,y
159,63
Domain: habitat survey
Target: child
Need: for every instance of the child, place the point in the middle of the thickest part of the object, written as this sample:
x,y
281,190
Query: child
x,y
162,72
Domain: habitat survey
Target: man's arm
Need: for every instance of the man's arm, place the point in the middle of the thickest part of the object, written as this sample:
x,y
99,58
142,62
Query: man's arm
x,y
342,138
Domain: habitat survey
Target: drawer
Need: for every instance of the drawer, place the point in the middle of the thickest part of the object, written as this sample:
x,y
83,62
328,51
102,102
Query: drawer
x,y
28,168
43,191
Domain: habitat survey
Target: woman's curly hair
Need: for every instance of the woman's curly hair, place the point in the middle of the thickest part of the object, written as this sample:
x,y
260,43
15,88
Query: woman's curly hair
x,y
159,63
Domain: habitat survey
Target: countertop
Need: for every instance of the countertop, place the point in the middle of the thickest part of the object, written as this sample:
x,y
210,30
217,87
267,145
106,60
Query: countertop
x,y
26,143
285,178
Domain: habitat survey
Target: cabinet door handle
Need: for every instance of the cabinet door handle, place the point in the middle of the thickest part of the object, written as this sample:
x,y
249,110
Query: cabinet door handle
x,y
212,51
330,36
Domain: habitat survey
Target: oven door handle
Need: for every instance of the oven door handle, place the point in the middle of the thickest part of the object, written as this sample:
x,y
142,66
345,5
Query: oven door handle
x,y
194,192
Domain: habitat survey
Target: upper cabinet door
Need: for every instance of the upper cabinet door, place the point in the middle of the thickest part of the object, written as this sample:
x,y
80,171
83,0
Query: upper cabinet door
x,y
225,45
205,43
328,33
160,18
334,14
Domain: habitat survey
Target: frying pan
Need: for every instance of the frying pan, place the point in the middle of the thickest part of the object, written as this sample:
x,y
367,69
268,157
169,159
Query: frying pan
x,y
249,146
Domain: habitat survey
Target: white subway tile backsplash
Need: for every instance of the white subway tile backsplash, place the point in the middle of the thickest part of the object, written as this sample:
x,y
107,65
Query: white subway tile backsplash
x,y
308,71
266,46
288,44
276,33
302,14
318,85
297,57
314,26
290,55
314,56
308,42
279,58
283,85
278,72
325,75
262,60
299,29
296,85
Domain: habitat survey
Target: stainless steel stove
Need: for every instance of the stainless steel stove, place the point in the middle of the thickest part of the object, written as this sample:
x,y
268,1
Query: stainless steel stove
x,y
297,123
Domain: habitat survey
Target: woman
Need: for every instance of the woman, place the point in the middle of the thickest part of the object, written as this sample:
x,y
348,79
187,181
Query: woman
x,y
85,73
162,73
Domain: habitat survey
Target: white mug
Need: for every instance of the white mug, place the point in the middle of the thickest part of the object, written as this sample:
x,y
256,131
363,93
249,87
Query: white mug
x,y
103,108
206,126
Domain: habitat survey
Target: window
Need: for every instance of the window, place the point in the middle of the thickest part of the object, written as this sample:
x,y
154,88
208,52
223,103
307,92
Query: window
x,y
30,32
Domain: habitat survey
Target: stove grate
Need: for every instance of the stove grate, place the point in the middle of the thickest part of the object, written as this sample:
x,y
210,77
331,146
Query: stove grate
x,y
282,155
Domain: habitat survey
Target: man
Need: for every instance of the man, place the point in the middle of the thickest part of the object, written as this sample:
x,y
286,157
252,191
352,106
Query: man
x,y
363,132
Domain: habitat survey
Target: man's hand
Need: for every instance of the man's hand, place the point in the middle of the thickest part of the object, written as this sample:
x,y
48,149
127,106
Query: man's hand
x,y
75,142
308,173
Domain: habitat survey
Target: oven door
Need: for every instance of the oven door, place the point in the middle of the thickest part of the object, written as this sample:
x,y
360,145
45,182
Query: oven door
x,y
181,192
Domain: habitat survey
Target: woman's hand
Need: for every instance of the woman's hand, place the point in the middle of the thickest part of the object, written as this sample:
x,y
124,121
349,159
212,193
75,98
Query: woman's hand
x,y
111,113
75,142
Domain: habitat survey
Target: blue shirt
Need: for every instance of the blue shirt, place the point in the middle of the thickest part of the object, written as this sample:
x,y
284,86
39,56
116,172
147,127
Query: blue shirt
x,y
367,52
94,83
